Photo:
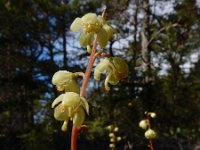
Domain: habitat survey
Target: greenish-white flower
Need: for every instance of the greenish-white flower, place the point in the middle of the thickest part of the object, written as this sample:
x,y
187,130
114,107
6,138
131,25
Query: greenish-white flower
x,y
70,106
112,146
116,69
91,24
112,139
110,127
65,81
119,138
111,135
116,129
150,134
152,114
143,124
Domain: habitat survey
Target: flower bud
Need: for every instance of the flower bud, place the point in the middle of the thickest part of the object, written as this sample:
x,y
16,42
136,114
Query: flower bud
x,y
143,124
116,129
119,138
112,145
111,135
130,104
112,140
110,127
153,115
150,134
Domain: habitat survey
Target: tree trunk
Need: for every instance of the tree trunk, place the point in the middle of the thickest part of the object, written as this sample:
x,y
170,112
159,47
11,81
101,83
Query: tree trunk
x,y
145,51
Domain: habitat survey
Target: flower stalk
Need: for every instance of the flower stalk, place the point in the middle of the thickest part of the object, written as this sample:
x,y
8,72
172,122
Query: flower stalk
x,y
71,105
146,125
149,127
86,78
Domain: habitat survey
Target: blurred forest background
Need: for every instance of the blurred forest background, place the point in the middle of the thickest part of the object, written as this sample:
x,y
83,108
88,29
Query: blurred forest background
x,y
160,40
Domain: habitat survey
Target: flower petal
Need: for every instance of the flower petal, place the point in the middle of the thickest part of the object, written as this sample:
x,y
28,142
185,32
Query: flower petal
x,y
76,25
72,86
101,20
102,38
109,31
79,117
107,87
85,105
86,39
120,65
62,76
113,80
57,100
71,99
100,68
64,126
59,114
90,18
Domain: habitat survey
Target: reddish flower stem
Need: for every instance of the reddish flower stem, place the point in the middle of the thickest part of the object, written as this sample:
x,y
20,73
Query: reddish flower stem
x,y
86,78
89,69
151,144
74,138
149,126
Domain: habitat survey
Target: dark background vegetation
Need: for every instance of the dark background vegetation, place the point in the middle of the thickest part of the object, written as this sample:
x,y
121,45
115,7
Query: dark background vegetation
x,y
35,42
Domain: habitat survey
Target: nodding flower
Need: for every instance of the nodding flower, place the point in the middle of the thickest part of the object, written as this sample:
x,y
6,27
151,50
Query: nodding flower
x,y
116,69
143,124
150,134
70,106
66,81
91,24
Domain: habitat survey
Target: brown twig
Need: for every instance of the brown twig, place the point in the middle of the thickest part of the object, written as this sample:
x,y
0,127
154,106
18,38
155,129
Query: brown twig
x,y
161,30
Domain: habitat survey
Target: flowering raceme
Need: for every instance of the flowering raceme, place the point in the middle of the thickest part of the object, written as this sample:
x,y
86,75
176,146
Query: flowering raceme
x,y
116,69
92,24
94,30
66,81
70,106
